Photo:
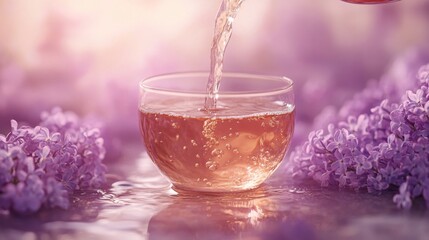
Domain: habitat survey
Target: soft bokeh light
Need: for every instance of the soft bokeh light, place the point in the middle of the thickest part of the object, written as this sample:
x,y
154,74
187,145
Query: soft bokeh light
x,y
88,56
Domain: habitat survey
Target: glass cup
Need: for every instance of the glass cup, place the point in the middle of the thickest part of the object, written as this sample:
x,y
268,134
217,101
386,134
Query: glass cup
x,y
234,147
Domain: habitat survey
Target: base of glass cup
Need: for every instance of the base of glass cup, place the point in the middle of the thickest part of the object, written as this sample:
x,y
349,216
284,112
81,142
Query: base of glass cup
x,y
230,189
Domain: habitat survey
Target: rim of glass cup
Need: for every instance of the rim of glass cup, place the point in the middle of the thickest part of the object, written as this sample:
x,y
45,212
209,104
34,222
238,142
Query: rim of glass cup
x,y
288,84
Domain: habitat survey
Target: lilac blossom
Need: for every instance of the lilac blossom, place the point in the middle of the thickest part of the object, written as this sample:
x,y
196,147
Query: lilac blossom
x,y
387,147
42,166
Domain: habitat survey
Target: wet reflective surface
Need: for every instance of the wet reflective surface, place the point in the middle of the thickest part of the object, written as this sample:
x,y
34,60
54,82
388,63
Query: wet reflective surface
x,y
139,204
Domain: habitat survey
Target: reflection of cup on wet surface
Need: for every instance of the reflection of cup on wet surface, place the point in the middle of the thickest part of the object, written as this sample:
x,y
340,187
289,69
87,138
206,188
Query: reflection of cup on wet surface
x,y
214,215
231,148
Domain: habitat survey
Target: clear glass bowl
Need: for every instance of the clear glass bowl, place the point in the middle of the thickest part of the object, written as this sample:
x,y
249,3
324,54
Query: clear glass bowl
x,y
234,147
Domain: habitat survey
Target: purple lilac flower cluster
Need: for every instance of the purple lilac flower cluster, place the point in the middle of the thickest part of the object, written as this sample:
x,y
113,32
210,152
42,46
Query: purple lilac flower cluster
x,y
386,148
42,166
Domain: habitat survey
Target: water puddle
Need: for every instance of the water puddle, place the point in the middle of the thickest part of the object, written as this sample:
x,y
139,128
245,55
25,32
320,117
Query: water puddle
x,y
142,205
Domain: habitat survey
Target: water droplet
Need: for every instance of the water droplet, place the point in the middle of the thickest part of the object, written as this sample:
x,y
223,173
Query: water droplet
x,y
228,146
296,190
237,134
198,179
223,138
174,125
230,129
197,156
194,143
197,165
230,135
235,150
211,165
159,133
205,179
177,137
156,119
184,147
263,124
209,184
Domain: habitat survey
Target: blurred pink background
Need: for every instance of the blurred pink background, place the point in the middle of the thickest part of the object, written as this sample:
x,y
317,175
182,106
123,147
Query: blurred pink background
x,y
88,56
